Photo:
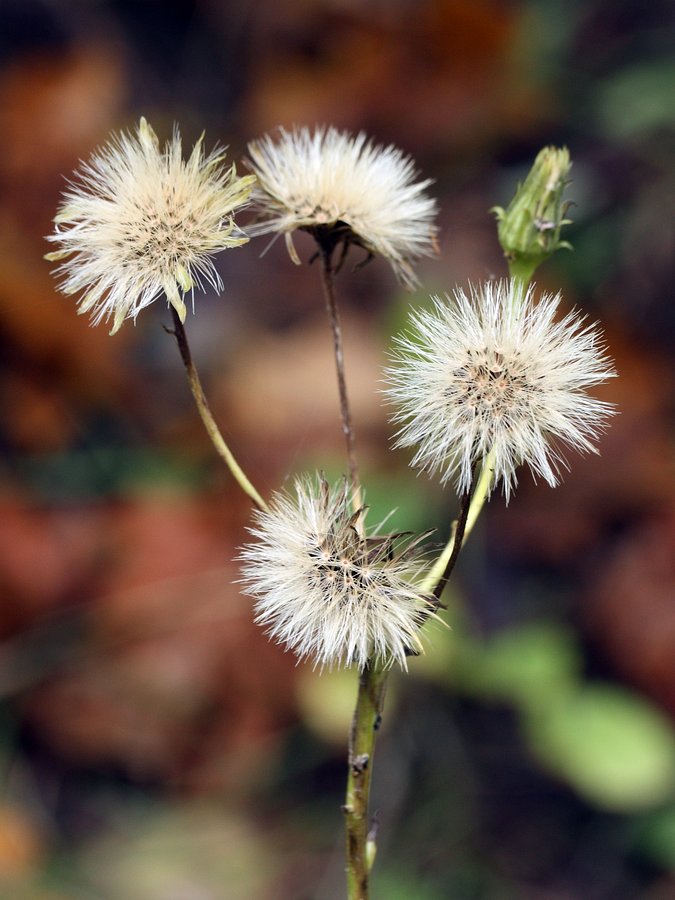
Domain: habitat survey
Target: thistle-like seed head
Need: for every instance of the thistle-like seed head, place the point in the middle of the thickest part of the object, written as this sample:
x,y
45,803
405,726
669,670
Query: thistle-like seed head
x,y
325,589
139,221
344,190
494,373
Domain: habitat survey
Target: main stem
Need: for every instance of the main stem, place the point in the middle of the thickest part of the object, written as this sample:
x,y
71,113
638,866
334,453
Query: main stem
x,y
365,725
206,415
327,281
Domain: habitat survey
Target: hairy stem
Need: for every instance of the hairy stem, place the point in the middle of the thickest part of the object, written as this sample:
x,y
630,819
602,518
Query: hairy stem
x,y
207,417
365,725
327,280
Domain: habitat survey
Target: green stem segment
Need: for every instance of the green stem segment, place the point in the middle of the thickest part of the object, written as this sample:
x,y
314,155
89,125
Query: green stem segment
x,y
523,269
365,725
207,417
458,535
477,501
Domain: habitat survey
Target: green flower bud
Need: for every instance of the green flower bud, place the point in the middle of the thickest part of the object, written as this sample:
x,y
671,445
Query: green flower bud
x,y
529,229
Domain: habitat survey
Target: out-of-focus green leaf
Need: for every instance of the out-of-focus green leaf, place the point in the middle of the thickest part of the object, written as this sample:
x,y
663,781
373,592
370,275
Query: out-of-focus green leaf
x,y
638,99
408,503
528,665
613,747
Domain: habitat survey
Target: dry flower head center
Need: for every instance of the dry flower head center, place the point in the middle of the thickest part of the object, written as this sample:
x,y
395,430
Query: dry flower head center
x,y
342,574
161,237
493,385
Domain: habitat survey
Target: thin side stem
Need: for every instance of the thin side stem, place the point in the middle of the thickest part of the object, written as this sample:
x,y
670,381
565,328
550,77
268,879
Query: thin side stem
x,y
459,530
483,488
365,725
478,499
327,281
457,540
207,417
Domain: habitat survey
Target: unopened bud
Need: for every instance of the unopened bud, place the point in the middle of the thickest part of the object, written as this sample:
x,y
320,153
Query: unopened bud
x,y
529,229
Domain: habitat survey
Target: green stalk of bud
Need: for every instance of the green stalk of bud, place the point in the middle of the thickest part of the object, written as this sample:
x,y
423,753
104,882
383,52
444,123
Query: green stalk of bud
x,y
529,229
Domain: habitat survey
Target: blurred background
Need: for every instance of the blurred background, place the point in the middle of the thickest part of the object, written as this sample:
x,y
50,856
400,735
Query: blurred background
x,y
153,744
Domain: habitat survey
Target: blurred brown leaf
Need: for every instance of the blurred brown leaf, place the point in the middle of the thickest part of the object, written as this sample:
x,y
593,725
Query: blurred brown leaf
x,y
173,679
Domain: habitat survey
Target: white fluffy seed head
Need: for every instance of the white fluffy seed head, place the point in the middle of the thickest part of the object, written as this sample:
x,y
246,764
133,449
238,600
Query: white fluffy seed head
x,y
328,179
139,221
327,591
496,373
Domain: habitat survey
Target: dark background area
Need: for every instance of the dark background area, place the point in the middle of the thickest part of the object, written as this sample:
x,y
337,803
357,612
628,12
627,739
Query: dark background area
x,y
153,744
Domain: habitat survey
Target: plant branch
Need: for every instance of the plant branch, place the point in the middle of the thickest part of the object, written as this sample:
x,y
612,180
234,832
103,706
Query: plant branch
x,y
478,498
207,417
327,281
458,537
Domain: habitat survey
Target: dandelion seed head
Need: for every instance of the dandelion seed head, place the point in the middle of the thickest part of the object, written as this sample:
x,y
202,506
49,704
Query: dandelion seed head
x,y
325,589
329,180
138,221
496,373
